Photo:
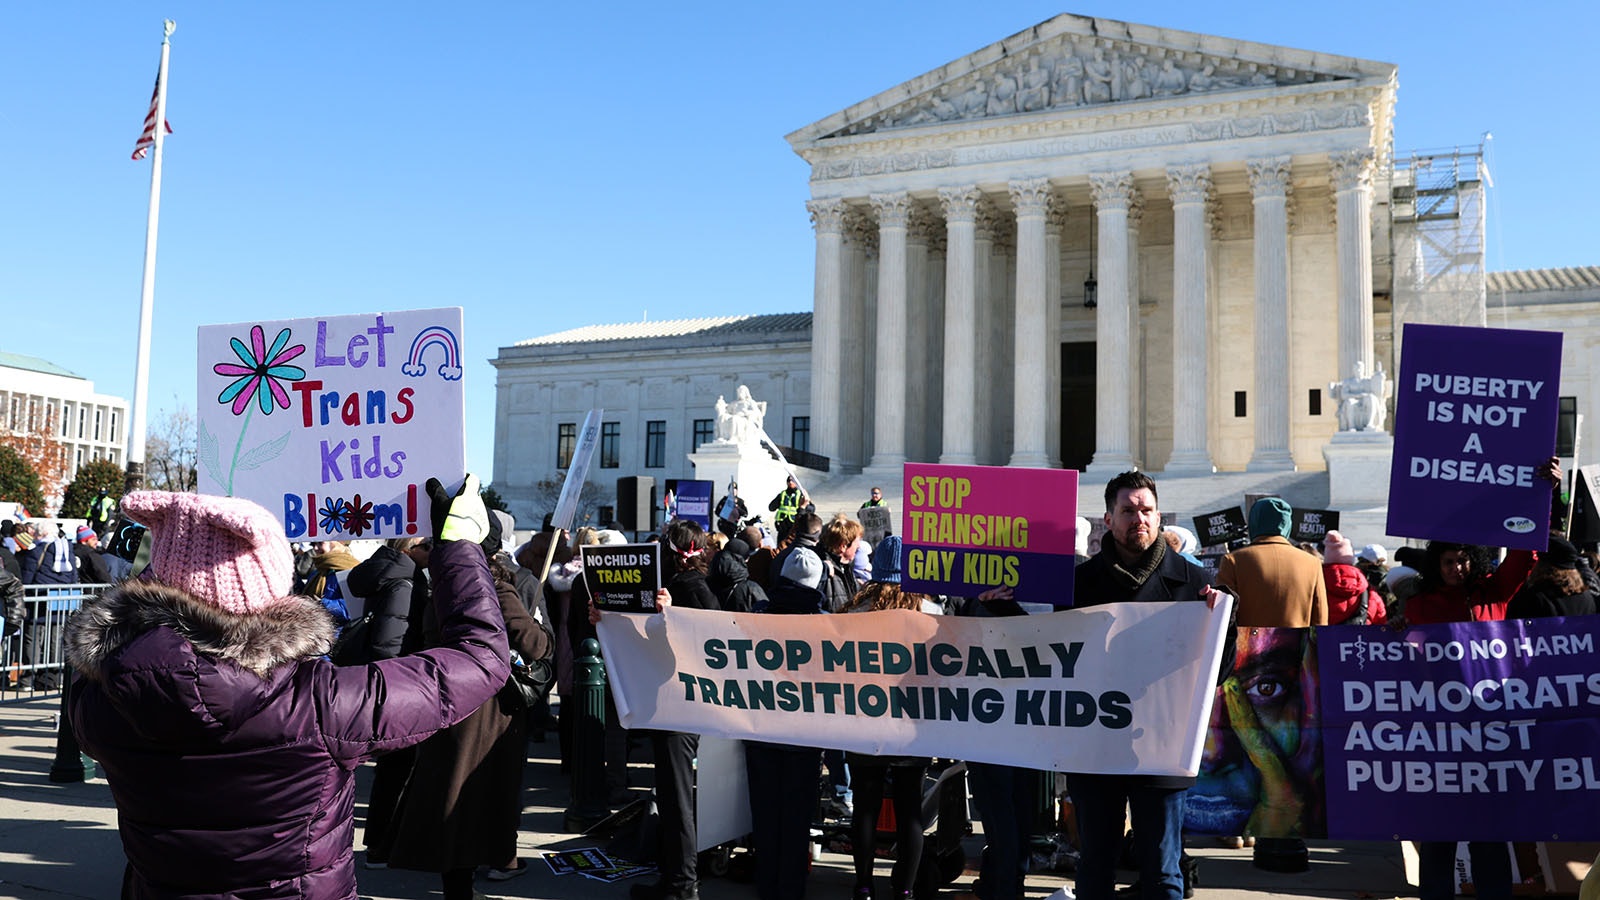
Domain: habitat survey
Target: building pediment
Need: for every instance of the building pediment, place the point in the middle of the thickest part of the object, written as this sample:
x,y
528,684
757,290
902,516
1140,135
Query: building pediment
x,y
1075,63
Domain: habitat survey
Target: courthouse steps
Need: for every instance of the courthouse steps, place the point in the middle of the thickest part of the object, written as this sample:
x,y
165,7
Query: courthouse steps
x,y
1187,496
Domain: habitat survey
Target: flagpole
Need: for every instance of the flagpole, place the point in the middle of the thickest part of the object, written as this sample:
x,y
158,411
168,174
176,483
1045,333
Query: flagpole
x,y
147,288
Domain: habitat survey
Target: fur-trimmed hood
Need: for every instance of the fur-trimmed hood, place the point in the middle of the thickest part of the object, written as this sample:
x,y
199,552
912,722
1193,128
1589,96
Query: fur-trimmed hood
x,y
297,629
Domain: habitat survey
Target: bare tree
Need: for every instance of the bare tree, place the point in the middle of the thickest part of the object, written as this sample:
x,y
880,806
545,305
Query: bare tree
x,y
170,452
591,497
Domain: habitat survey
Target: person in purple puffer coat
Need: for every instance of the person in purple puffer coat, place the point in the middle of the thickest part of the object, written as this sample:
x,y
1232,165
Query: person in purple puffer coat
x,y
229,740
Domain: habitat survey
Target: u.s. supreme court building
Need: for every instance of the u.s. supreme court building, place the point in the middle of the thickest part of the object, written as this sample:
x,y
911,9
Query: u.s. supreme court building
x,y
1092,244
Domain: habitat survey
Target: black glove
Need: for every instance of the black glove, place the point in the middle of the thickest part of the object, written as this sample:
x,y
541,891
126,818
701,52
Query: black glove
x,y
463,517
491,544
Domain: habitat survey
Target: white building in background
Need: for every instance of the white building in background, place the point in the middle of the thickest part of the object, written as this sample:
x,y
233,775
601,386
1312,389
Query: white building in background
x,y
657,383
38,397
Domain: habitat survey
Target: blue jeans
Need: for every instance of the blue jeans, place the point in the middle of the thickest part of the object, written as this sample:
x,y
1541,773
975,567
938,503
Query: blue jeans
x,y
1491,870
1003,794
1098,802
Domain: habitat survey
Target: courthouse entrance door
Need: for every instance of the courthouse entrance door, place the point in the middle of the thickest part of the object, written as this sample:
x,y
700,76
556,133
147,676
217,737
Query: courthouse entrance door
x,y
1077,404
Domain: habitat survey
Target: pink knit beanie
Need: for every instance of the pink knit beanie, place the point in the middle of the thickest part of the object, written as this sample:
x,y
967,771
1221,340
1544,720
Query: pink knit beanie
x,y
1337,550
226,551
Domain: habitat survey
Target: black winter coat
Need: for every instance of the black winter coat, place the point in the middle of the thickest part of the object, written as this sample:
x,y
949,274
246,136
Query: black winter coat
x,y
389,586
730,581
1540,602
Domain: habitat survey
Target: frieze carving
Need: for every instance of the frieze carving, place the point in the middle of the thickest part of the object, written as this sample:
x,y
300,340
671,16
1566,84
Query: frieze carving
x,y
827,216
894,210
1343,116
1076,71
1351,169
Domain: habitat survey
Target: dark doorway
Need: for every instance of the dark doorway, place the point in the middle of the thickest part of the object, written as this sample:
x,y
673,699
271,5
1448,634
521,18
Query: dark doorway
x,y
1077,404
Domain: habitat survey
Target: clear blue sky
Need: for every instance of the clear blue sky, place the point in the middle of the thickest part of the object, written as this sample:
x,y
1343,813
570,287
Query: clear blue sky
x,y
549,165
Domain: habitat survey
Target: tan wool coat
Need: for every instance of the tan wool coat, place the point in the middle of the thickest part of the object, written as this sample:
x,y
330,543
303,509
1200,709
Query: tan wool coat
x,y
1279,585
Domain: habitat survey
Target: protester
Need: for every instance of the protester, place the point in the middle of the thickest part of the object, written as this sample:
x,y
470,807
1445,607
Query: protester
x,y
1132,565
731,511
806,531
1455,585
8,546
12,608
684,548
1555,586
229,742
393,587
730,580
783,778
92,566
462,807
786,506
838,548
1351,601
901,776
876,499
49,560
1183,542
327,558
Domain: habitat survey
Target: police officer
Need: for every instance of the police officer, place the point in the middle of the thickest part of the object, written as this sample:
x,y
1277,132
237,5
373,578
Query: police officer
x,y
787,505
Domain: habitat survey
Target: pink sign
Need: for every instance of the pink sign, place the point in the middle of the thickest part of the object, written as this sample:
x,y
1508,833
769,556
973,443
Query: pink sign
x,y
966,529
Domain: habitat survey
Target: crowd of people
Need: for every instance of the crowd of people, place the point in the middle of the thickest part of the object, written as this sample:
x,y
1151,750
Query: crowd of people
x,y
216,661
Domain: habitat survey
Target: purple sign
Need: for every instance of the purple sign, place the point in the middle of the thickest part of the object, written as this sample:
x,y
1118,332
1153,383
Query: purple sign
x,y
1482,731
1475,415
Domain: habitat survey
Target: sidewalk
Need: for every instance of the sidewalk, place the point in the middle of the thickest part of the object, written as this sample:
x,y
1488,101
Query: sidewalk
x,y
59,842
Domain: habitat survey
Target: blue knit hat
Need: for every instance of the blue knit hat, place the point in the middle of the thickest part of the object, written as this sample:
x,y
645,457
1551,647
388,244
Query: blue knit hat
x,y
886,560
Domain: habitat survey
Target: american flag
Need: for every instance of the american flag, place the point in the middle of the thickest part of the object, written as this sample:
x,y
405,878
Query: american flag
x,y
147,139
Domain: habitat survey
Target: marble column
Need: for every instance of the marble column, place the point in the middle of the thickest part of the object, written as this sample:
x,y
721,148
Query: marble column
x,y
1270,184
860,266
918,327
1113,194
889,373
931,387
983,389
1136,361
1030,360
1190,189
960,321
827,217
1351,172
1054,222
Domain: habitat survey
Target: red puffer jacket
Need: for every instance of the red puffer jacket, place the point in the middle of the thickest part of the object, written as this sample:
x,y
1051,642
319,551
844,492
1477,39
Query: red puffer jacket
x,y
230,742
1346,586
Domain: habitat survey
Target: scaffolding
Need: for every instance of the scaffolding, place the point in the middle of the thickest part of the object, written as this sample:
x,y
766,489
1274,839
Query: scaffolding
x,y
1437,218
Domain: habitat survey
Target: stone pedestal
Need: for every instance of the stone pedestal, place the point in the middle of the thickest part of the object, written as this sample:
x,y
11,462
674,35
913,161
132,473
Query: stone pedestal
x,y
760,477
1358,469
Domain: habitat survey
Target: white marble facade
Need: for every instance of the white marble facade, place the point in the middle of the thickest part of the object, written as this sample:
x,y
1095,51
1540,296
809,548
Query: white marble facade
x,y
1228,188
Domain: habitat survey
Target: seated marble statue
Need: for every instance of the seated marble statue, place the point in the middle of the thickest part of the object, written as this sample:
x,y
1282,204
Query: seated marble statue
x,y
746,417
1360,399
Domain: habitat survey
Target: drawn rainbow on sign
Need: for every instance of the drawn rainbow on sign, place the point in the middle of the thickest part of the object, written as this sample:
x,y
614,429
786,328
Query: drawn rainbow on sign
x,y
434,335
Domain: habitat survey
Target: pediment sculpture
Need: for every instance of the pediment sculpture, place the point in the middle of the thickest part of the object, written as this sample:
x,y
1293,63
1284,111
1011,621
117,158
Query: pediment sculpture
x,y
1075,73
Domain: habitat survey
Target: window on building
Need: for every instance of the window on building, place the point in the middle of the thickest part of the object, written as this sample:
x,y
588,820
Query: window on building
x,y
1314,402
566,443
66,420
77,460
83,418
655,443
610,445
1239,408
704,432
98,417
114,439
1566,425
800,433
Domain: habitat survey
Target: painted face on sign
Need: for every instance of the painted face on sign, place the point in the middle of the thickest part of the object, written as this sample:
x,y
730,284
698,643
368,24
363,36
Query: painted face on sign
x,y
1133,522
1262,769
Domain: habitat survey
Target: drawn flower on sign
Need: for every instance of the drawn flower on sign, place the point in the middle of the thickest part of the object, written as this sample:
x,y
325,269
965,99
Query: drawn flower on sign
x,y
261,379
264,371
333,515
358,517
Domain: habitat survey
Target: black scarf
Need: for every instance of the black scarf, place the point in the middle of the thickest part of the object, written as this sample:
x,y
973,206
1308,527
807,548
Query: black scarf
x,y
1134,576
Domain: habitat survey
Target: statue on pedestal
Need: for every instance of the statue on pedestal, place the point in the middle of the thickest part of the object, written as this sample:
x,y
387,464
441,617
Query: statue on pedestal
x,y
1360,399
743,420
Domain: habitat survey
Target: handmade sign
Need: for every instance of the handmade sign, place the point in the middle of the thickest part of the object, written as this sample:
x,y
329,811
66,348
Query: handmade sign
x,y
1220,528
334,423
1118,689
1475,415
689,499
622,577
966,529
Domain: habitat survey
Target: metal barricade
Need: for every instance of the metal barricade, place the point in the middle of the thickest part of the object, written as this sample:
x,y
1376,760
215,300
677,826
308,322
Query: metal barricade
x,y
31,660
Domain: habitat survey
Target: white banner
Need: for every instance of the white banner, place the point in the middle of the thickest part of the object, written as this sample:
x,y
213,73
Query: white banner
x,y
1118,689
334,423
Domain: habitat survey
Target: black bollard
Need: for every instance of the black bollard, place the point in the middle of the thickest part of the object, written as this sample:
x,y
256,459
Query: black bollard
x,y
70,764
588,804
